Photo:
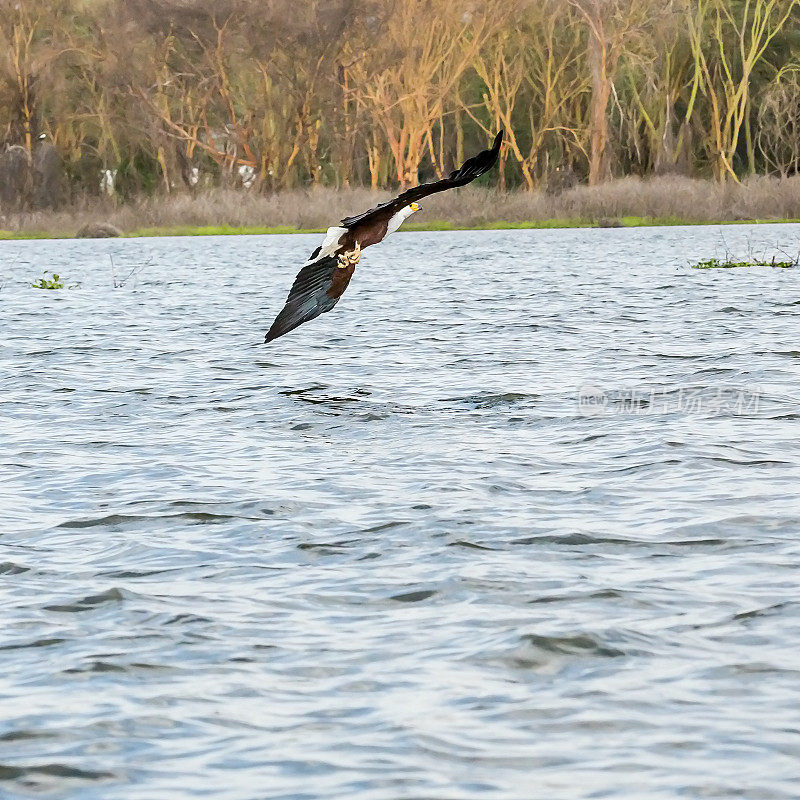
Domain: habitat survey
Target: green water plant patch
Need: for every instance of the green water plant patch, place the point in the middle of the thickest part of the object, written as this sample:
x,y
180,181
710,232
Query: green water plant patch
x,y
715,263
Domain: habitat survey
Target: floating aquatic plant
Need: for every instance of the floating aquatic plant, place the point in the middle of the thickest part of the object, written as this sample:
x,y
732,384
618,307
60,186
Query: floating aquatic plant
x,y
715,263
52,282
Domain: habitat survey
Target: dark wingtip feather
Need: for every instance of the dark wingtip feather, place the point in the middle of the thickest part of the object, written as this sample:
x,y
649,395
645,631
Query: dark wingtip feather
x,y
285,322
479,164
273,333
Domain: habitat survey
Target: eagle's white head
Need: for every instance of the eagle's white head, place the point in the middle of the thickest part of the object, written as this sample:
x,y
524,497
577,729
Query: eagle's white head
x,y
403,214
408,210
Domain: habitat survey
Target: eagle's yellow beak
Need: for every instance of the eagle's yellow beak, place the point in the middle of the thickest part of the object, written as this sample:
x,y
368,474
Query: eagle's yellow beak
x,y
415,206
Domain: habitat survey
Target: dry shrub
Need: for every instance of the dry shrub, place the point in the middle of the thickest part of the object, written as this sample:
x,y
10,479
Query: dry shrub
x,y
666,196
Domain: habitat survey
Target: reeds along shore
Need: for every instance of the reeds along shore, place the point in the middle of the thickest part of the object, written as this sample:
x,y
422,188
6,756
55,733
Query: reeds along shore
x,y
669,198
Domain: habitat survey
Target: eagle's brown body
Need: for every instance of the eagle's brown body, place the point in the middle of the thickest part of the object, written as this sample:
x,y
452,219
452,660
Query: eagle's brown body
x,y
365,234
340,281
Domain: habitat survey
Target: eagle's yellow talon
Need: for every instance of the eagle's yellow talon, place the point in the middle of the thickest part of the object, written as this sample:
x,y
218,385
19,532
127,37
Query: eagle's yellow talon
x,y
350,257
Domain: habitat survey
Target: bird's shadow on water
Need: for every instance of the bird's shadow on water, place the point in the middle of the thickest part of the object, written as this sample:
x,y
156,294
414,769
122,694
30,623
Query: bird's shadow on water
x,y
311,394
354,403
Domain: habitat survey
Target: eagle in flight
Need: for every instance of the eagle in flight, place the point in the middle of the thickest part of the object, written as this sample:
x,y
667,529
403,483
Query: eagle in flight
x,y
324,277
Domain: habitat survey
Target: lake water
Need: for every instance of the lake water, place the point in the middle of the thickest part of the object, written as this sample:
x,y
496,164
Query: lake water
x,y
518,519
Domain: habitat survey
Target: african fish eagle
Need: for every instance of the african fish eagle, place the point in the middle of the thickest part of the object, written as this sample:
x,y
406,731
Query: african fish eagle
x,y
324,277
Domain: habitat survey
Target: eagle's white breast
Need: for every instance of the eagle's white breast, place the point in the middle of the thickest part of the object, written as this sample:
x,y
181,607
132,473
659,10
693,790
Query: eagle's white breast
x,y
397,220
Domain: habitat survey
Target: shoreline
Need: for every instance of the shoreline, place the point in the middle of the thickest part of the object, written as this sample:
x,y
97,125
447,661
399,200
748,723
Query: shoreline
x,y
433,226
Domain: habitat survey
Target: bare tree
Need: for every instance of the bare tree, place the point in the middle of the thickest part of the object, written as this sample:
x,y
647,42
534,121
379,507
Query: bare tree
x,y
612,26
728,41
779,122
406,84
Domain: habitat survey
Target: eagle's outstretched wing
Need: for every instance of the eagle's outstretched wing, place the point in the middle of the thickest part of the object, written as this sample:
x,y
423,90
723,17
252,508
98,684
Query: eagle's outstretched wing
x,y
470,169
316,289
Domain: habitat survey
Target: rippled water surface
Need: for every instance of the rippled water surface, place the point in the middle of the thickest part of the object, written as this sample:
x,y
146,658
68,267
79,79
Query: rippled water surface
x,y
518,519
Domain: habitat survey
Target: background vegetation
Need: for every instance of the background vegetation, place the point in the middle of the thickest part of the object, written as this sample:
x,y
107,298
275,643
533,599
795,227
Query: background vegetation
x,y
158,97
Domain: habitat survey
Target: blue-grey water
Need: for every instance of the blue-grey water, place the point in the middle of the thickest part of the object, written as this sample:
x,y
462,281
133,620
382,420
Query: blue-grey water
x,y
519,519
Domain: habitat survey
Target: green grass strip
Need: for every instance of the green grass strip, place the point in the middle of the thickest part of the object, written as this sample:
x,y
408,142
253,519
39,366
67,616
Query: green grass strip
x,y
435,225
